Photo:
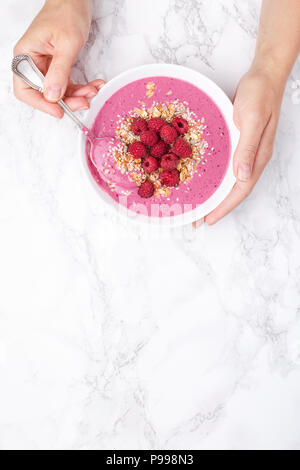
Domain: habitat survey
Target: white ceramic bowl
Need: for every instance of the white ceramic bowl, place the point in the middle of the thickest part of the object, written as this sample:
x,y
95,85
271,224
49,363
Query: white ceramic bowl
x,y
206,85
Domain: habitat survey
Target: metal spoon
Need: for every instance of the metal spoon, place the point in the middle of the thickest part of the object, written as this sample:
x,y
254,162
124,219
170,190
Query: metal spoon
x,y
24,67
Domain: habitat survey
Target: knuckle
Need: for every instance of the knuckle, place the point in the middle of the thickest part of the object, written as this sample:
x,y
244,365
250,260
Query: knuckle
x,y
254,115
70,40
256,118
244,189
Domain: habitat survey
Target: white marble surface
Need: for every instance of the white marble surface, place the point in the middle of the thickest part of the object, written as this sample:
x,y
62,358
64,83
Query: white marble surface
x,y
114,337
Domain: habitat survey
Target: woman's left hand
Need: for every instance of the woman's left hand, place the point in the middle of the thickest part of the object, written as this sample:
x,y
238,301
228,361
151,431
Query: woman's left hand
x,y
256,111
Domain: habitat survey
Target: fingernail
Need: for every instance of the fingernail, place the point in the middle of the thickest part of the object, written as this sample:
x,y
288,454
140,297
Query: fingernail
x,y
100,85
91,94
53,92
198,223
83,108
244,172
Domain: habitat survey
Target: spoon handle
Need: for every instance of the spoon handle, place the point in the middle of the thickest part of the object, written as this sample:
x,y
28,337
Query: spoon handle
x,y
24,67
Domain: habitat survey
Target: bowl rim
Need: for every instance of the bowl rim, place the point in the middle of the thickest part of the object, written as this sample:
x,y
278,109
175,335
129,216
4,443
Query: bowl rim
x,y
207,86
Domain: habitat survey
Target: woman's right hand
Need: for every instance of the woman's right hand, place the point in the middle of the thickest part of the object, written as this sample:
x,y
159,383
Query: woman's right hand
x,y
54,40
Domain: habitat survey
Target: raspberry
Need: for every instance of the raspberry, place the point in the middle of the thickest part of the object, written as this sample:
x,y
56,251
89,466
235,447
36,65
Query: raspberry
x,y
169,161
181,148
150,164
137,150
170,178
138,126
155,124
168,134
146,189
149,138
159,149
181,125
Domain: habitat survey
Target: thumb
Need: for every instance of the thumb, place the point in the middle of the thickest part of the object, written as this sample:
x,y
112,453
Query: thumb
x,y
251,134
58,75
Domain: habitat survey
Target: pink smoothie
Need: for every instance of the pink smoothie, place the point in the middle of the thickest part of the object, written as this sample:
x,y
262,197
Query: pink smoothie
x,y
208,174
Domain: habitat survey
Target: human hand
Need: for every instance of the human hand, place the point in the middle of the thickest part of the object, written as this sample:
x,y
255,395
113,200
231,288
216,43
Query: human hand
x,y
256,111
54,40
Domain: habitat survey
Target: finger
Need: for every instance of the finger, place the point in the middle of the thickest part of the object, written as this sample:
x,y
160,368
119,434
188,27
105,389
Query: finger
x,y
59,71
77,103
36,99
198,223
98,83
266,147
251,129
89,90
242,189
